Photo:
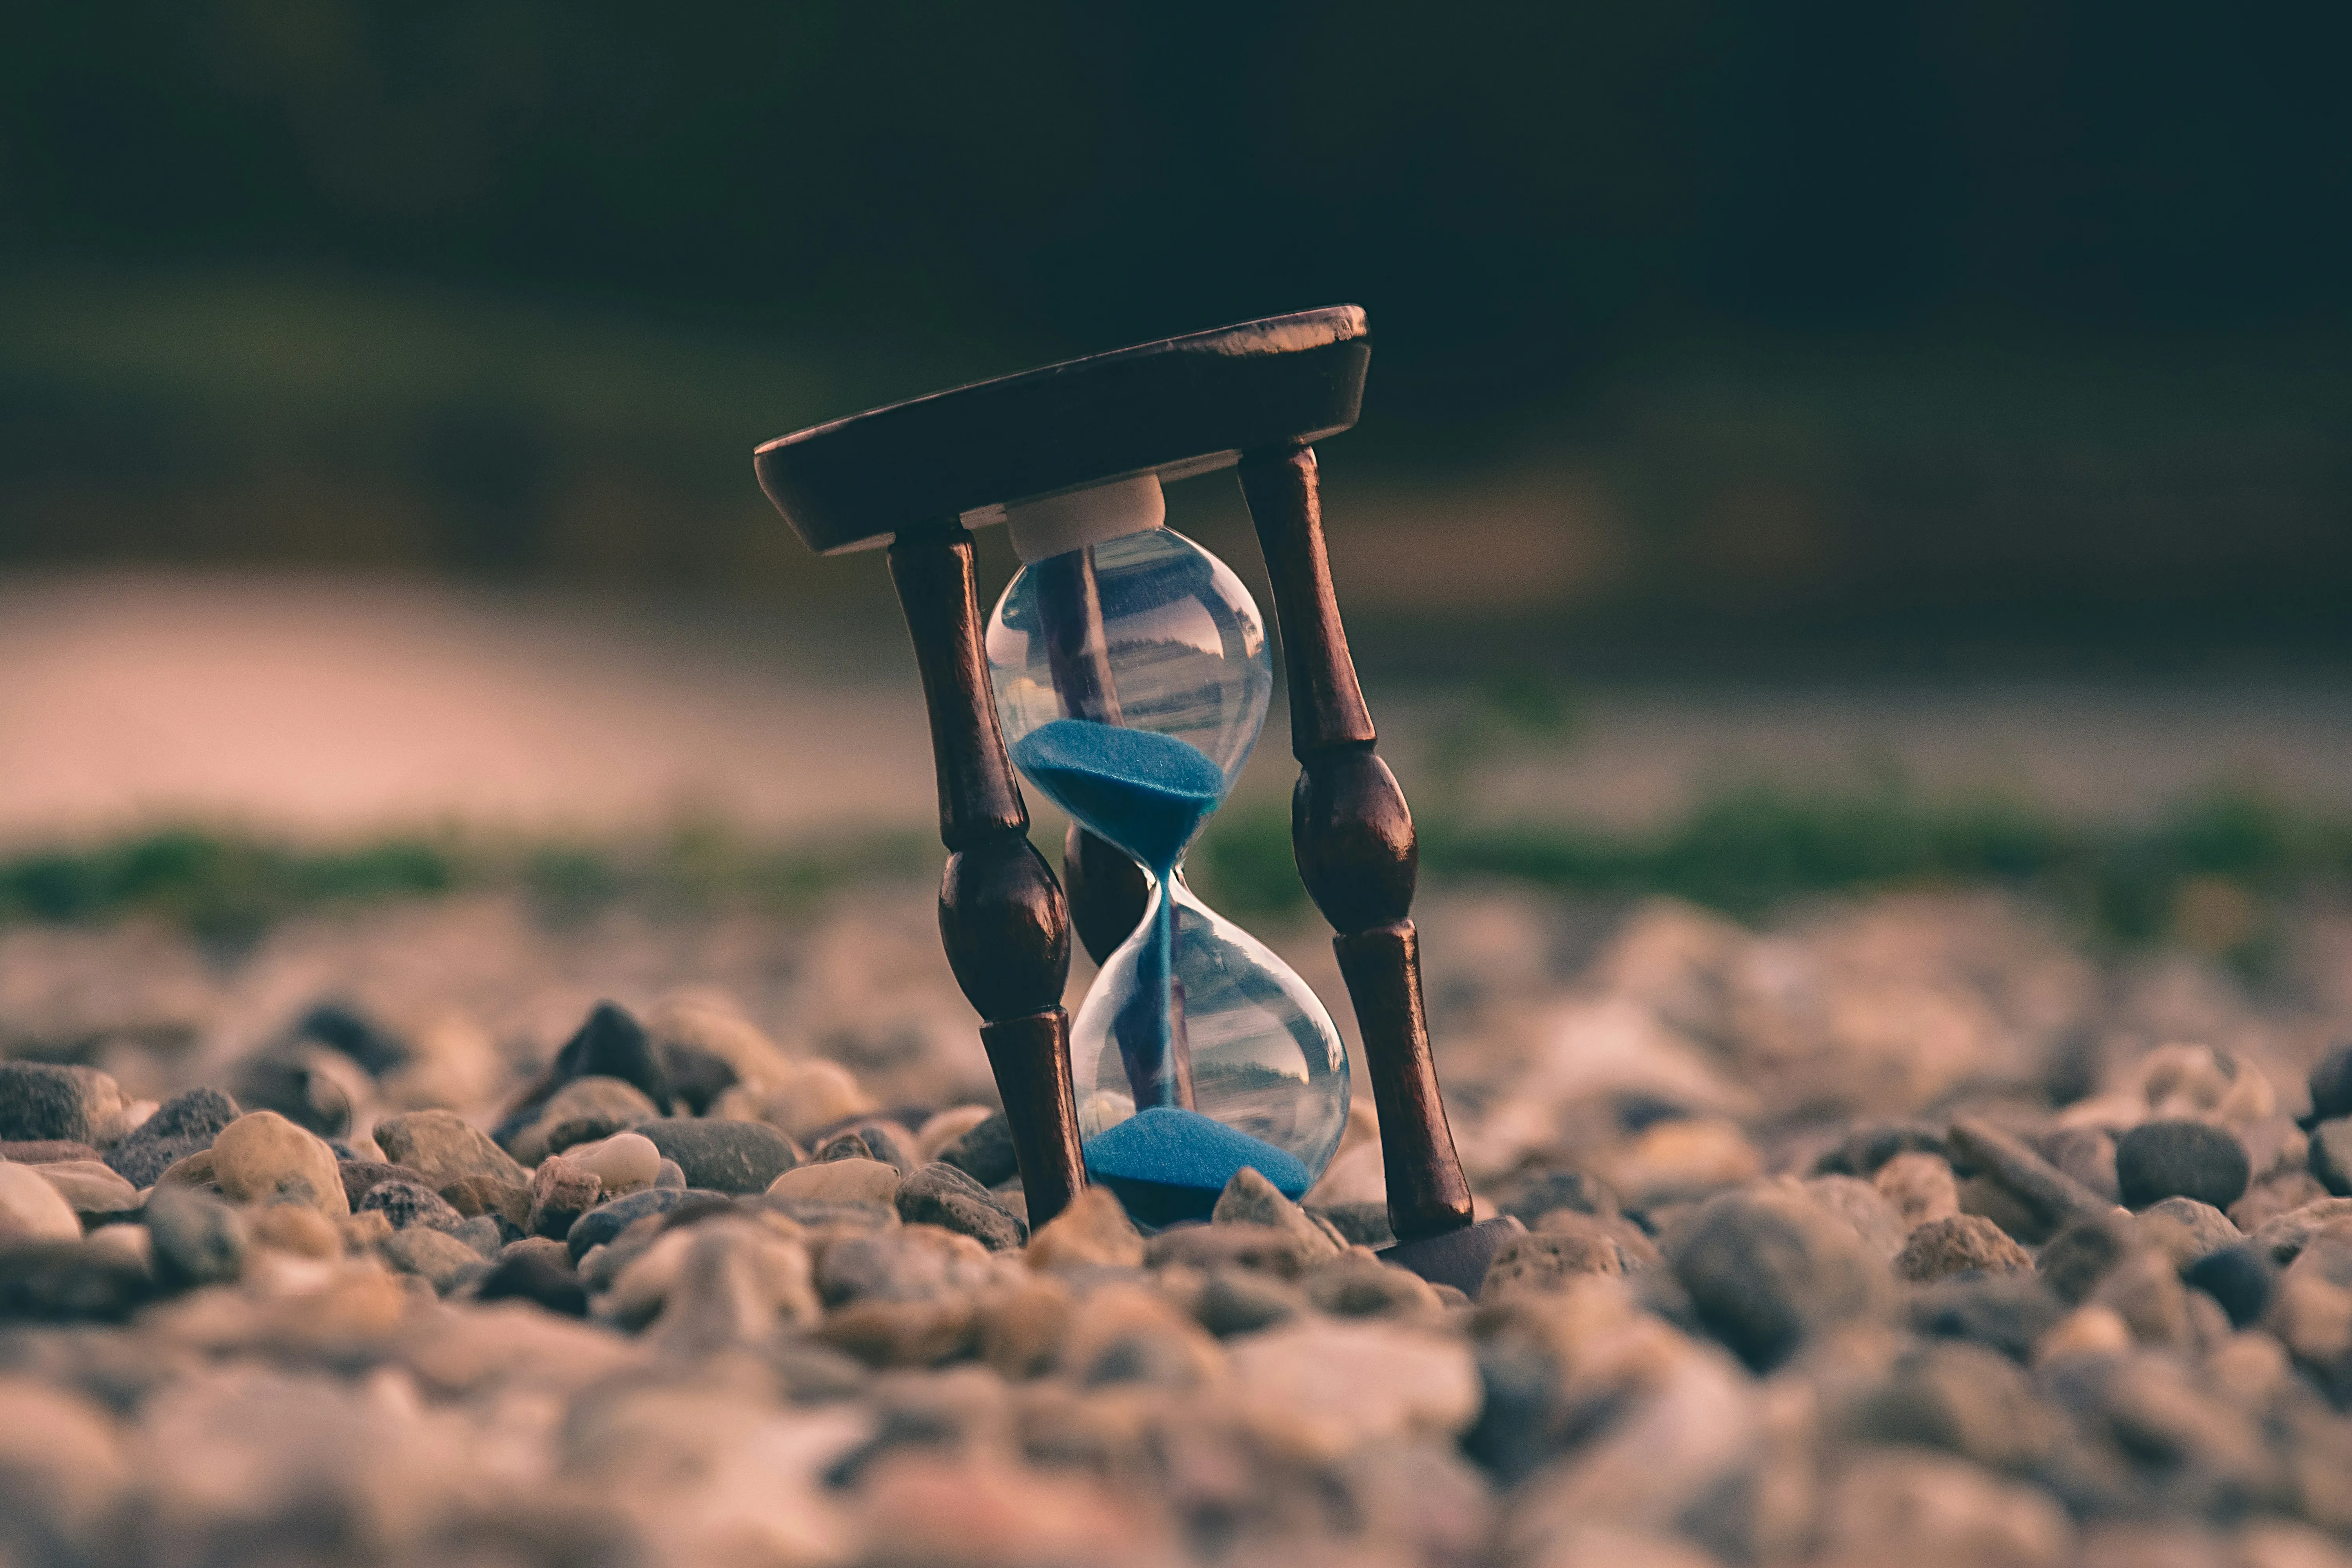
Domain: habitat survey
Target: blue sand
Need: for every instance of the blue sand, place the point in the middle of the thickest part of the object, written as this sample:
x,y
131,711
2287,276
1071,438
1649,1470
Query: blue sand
x,y
1145,791
1167,1165
1148,793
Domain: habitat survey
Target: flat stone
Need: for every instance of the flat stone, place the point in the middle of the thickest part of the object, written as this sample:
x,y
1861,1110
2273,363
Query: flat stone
x,y
70,1281
841,1180
33,1210
1866,1149
819,1213
40,1100
723,1156
2048,1197
1767,1269
1960,1243
406,1202
198,1239
435,1255
1456,1257
182,1125
46,1151
262,1158
2159,1160
939,1193
2283,1238
984,1153
90,1186
446,1148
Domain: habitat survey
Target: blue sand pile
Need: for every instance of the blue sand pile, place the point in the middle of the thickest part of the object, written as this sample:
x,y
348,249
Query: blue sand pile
x,y
1168,1165
1148,793
1145,791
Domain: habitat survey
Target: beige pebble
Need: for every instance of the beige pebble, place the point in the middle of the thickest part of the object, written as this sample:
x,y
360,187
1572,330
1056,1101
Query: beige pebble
x,y
33,1210
92,1186
298,1228
624,1163
1920,1187
262,1158
2086,1330
839,1182
938,1131
1093,1230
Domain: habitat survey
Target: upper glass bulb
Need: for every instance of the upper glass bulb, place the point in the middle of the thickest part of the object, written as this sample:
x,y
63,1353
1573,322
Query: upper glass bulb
x,y
1132,676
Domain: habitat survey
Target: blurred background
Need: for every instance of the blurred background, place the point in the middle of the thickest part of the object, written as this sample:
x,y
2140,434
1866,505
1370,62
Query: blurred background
x,y
1805,448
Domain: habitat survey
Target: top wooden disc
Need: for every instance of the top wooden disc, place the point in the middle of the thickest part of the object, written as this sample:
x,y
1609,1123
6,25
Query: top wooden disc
x,y
1179,406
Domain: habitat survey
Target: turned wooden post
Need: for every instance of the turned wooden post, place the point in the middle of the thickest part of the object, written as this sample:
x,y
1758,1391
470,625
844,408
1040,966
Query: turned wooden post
x,y
1002,918
1353,836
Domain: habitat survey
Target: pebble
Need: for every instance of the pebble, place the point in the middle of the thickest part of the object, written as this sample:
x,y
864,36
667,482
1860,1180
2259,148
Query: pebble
x,y
1766,1268
473,1196
1863,1206
1540,1262
405,1203
609,1044
1317,1389
31,1209
1358,1285
2077,1257
2331,1085
197,1238
2186,1230
539,1272
263,1158
1866,1149
939,1194
1250,1199
842,1180
2284,1237
297,1228
582,1111
433,1256
2241,1278
882,1140
1960,1243
1920,1187
2330,1154
181,1126
723,1156
69,1282
41,1101
1681,1160
800,1100
1233,1246
1910,1506
2086,1154
605,1221
1244,1300
2157,1159
44,1151
562,1190
1539,1190
1093,1232
446,1148
624,1163
2048,1198
318,1090
90,1186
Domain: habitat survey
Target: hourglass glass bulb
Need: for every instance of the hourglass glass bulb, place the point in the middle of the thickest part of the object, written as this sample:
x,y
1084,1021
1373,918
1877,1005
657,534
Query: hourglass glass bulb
x,y
1132,678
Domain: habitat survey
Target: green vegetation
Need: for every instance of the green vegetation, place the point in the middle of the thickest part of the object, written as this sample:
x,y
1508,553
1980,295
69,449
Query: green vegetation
x,y
2209,875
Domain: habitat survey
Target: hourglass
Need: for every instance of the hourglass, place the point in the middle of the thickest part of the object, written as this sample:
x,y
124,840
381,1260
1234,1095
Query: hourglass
x,y
1128,671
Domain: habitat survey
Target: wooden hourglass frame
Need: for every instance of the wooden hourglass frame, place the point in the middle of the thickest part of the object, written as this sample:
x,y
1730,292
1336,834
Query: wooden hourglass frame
x,y
911,476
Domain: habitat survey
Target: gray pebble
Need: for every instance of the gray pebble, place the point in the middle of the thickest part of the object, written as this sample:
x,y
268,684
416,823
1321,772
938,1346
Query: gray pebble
x,y
723,1156
42,1100
406,1202
198,1239
985,1154
2331,1154
940,1193
2159,1160
181,1126
1766,1268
